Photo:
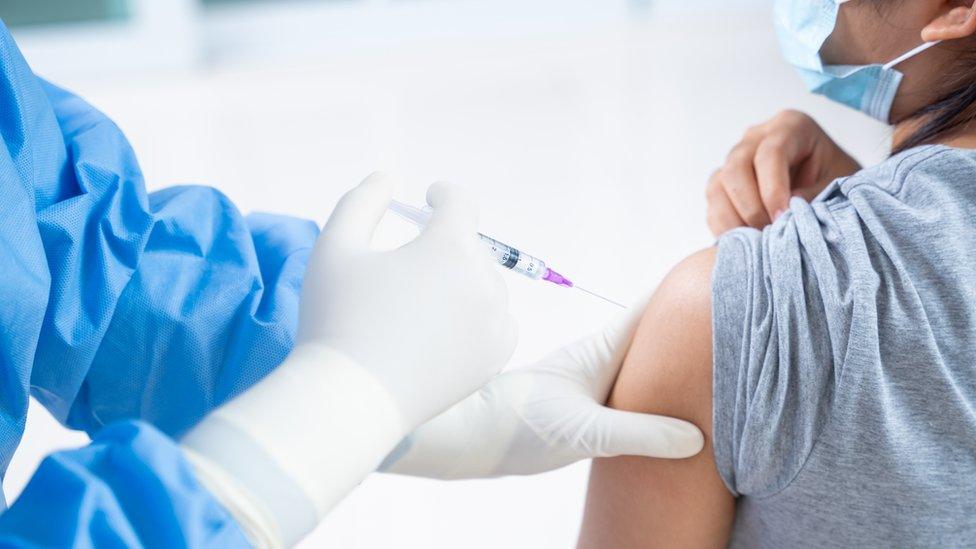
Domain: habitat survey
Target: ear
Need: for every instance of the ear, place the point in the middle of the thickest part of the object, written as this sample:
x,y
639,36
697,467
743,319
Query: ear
x,y
958,22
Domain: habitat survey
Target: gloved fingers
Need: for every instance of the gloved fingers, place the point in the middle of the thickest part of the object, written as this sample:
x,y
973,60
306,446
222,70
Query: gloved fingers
x,y
620,433
437,449
494,281
455,213
495,306
596,359
512,337
619,332
612,345
615,337
359,211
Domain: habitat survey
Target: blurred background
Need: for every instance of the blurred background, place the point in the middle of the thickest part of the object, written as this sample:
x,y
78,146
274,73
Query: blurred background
x,y
586,129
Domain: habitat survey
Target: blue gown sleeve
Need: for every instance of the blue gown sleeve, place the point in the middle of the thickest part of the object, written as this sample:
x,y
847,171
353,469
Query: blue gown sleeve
x,y
117,304
131,487
161,306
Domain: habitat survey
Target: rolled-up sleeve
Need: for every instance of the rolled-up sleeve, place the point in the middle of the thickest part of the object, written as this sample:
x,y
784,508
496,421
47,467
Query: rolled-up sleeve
x,y
774,357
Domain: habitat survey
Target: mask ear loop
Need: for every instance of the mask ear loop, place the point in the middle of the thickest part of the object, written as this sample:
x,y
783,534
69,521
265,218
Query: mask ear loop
x,y
911,54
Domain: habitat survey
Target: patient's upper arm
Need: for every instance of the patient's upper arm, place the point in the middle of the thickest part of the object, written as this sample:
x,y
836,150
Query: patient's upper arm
x,y
642,502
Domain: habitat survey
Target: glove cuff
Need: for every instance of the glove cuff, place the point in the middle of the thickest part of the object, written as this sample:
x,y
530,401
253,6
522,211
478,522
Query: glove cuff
x,y
303,437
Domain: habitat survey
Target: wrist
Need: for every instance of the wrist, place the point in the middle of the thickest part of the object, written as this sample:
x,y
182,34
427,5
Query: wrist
x,y
259,523
304,436
469,440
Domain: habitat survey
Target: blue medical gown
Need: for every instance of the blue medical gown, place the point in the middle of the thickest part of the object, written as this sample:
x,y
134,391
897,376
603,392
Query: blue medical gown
x,y
116,304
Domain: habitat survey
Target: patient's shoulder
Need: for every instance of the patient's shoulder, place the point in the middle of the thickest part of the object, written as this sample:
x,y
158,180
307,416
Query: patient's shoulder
x,y
669,366
641,502
688,285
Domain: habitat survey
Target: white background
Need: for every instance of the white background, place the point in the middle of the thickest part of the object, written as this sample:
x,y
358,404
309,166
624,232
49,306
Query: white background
x,y
586,129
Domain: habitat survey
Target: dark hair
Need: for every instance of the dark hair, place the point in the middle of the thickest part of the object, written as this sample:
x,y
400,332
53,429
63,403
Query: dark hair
x,y
955,107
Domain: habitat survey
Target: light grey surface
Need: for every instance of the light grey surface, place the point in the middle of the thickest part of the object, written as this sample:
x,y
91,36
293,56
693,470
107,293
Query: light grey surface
x,y
845,362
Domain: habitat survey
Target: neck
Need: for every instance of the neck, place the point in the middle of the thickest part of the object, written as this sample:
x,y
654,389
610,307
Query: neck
x,y
963,137
964,141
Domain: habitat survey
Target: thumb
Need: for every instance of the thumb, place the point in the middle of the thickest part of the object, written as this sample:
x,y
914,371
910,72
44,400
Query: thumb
x,y
600,356
620,331
455,444
774,161
359,211
618,433
454,214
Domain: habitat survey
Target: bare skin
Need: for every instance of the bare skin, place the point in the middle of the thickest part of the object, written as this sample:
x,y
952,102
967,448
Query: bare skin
x,y
641,502
668,370
791,155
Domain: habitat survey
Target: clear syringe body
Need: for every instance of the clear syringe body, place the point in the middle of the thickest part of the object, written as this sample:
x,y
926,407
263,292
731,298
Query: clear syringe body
x,y
514,259
507,256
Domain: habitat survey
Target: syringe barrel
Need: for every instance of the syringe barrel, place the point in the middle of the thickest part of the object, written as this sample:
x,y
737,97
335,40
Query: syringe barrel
x,y
515,260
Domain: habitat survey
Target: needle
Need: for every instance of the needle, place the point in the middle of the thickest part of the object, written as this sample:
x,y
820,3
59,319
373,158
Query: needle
x,y
608,300
503,254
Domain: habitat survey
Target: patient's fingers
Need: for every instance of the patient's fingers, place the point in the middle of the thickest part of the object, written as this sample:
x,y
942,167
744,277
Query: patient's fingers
x,y
739,181
722,215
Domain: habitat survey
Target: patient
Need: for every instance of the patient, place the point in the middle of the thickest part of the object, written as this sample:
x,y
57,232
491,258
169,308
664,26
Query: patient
x,y
830,357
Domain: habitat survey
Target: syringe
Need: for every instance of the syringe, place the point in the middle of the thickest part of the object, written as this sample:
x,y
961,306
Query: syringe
x,y
507,256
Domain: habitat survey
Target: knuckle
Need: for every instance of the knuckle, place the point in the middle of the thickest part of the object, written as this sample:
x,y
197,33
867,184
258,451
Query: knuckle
x,y
754,131
714,186
787,115
771,149
711,220
754,217
794,118
438,187
347,199
715,226
777,143
739,155
733,186
710,193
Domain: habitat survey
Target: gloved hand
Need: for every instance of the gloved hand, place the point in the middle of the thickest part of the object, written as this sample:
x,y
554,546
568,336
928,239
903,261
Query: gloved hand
x,y
790,155
543,417
409,316
381,337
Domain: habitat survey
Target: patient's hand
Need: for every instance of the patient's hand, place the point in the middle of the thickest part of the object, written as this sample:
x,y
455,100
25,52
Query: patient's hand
x,y
642,502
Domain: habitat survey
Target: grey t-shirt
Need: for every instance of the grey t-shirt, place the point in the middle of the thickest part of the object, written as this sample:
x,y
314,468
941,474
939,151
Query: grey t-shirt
x,y
845,362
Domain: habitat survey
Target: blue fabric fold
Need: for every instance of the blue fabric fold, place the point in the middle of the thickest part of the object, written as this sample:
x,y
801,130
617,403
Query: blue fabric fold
x,y
117,304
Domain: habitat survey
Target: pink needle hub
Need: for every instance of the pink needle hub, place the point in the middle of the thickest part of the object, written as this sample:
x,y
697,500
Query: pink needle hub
x,y
556,278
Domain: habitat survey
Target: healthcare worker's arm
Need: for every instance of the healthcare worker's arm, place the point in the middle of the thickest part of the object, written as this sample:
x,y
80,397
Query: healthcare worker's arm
x,y
131,487
116,304
545,416
161,305
119,304
387,340
381,336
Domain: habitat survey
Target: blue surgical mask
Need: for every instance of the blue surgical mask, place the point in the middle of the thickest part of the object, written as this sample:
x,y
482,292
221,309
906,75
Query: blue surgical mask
x,y
803,26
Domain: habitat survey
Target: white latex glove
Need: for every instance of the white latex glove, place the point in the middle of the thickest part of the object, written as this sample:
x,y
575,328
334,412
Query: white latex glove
x,y
381,335
544,416
412,315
